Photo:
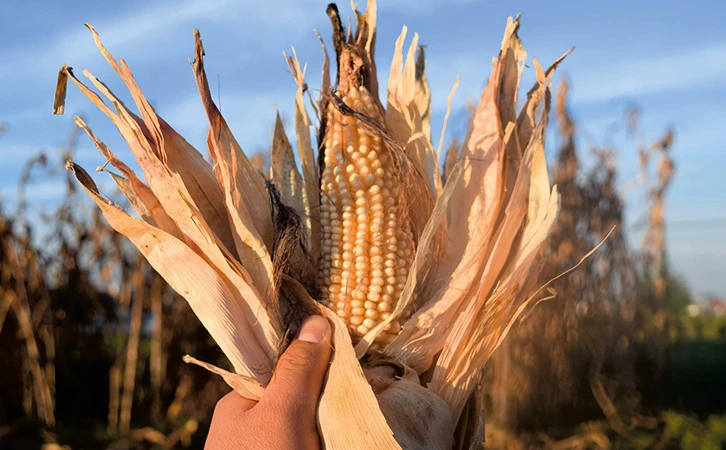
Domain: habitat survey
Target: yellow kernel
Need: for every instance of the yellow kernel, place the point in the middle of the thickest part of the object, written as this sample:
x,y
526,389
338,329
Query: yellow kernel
x,y
371,314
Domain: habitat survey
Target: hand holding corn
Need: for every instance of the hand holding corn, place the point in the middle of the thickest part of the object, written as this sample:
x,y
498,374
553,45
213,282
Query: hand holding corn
x,y
285,415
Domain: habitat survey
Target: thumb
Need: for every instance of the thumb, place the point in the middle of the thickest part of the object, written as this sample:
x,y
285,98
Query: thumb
x,y
298,379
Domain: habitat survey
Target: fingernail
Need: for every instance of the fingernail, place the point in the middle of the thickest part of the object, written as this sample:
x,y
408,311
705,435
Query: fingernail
x,y
314,329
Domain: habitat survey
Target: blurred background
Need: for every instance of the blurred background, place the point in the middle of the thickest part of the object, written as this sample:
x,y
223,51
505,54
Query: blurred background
x,y
631,353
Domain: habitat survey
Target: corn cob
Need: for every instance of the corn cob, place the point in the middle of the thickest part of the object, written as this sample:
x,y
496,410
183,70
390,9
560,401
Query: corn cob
x,y
367,244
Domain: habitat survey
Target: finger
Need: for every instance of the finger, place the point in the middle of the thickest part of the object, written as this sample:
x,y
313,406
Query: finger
x,y
233,403
298,379
225,420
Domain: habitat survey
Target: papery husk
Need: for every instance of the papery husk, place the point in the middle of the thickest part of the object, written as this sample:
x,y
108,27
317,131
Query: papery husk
x,y
192,175
245,194
451,156
466,314
475,196
408,121
283,169
139,195
246,387
419,418
310,172
211,296
179,178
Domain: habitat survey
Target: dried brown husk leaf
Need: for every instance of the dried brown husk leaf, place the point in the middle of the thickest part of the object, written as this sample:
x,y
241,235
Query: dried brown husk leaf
x,y
124,185
283,169
478,330
526,120
451,157
214,299
512,59
365,41
246,387
171,191
470,431
407,106
311,177
140,196
471,216
504,235
193,176
510,211
181,179
325,75
245,195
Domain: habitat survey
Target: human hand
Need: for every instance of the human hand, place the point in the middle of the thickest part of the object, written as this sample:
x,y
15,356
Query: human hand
x,y
285,416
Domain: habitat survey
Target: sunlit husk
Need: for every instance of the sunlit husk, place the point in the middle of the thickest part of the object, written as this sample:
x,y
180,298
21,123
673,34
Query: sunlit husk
x,y
210,231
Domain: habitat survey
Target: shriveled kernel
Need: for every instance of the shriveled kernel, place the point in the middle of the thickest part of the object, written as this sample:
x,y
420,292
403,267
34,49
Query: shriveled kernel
x,y
393,327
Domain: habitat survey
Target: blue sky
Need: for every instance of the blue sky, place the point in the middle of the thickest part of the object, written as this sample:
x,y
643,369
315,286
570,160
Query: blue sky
x,y
669,57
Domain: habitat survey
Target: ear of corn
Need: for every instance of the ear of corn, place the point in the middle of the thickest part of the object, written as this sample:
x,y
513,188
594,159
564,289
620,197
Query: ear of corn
x,y
367,244
421,275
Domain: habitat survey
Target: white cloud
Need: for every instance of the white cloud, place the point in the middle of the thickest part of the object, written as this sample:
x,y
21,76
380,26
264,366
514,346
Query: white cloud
x,y
157,19
416,7
650,74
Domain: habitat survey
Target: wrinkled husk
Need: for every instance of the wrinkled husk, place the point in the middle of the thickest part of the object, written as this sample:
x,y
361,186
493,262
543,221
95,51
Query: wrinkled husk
x,y
211,232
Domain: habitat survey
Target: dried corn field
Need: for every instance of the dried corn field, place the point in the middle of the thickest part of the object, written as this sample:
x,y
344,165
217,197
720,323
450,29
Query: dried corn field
x,y
471,280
